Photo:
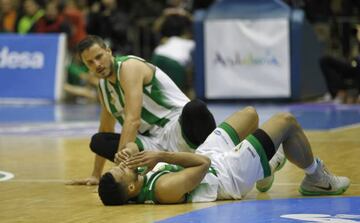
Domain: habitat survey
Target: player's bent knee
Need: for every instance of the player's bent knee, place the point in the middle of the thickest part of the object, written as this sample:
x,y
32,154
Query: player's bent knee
x,y
195,105
266,143
96,141
286,117
196,121
252,113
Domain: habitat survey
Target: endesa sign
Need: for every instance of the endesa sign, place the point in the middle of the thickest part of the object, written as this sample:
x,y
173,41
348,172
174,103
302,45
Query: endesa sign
x,y
31,66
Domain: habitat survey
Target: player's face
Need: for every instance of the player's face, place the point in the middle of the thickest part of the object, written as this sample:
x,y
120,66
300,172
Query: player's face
x,y
98,60
124,174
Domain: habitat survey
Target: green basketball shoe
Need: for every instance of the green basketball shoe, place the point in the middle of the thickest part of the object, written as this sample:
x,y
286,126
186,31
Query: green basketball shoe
x,y
276,163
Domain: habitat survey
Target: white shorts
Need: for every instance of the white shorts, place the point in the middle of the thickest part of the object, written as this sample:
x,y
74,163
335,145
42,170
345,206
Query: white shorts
x,y
238,166
168,138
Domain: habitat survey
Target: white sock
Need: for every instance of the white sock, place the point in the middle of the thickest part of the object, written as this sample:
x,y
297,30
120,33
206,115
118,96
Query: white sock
x,y
312,168
275,159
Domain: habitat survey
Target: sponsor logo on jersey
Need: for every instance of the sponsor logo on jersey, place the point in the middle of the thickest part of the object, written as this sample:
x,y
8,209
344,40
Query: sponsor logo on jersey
x,y
218,132
251,152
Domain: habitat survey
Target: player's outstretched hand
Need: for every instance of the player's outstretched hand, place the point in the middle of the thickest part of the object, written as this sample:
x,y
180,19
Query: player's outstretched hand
x,y
90,181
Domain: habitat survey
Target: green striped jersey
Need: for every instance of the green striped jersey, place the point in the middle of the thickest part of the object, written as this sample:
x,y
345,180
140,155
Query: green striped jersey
x,y
147,193
161,97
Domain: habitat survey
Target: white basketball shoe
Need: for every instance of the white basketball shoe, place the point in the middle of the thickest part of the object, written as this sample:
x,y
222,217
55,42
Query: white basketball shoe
x,y
322,182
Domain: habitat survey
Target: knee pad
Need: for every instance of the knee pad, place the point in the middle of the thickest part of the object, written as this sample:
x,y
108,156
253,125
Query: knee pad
x,y
196,121
96,141
105,144
266,143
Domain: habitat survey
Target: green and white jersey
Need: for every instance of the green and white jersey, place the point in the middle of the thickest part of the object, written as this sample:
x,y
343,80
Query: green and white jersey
x,y
206,191
162,99
147,194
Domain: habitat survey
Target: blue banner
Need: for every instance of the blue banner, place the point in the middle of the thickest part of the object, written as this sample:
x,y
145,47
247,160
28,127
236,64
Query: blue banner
x,y
31,66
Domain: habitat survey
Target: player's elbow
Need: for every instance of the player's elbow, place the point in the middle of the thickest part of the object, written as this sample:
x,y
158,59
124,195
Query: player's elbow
x,y
133,122
207,162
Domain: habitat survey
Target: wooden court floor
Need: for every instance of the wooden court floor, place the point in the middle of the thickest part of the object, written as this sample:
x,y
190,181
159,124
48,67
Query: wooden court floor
x,y
42,165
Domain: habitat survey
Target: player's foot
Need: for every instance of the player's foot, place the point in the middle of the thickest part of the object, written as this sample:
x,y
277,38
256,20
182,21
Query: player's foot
x,y
322,182
276,163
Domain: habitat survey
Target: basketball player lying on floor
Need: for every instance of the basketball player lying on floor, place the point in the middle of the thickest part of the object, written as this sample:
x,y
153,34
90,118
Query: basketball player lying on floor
x,y
221,168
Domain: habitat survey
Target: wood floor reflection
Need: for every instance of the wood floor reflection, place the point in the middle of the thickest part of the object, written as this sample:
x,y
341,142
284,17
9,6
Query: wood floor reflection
x,y
42,165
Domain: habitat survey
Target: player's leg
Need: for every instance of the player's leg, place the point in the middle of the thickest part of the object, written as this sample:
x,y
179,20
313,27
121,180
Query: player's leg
x,y
105,144
283,128
243,122
230,132
276,163
196,122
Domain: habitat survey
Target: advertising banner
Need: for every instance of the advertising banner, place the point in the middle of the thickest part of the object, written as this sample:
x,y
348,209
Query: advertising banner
x,y
247,58
31,66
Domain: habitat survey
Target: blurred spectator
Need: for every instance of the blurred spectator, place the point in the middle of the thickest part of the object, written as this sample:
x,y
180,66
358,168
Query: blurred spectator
x,y
81,84
202,4
147,9
53,21
32,13
342,77
83,6
76,20
110,23
8,15
174,54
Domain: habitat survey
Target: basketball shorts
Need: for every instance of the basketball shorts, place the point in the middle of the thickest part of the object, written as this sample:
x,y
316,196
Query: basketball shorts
x,y
169,138
238,164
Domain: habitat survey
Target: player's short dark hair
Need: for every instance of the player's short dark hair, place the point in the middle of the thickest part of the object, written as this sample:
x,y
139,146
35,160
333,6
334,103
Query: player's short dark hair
x,y
112,192
89,41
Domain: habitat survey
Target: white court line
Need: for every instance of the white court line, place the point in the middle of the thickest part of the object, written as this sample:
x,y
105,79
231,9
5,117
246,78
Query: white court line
x,y
298,184
64,181
45,126
60,129
334,140
6,176
343,128
38,181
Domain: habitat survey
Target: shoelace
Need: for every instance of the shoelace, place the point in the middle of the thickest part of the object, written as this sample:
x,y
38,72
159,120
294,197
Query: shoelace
x,y
328,173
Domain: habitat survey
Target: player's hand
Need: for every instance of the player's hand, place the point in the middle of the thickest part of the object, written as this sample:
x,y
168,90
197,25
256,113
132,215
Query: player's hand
x,y
130,149
122,156
144,158
90,181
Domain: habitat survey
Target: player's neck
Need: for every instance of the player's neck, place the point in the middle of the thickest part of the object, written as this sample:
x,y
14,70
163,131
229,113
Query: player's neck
x,y
138,186
112,77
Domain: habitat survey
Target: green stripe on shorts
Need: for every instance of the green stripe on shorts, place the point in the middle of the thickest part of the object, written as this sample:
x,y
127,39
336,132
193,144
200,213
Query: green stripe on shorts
x,y
187,141
231,132
139,144
261,152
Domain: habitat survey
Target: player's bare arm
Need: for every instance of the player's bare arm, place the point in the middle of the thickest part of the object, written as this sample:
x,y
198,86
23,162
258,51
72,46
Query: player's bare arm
x,y
196,167
107,124
134,74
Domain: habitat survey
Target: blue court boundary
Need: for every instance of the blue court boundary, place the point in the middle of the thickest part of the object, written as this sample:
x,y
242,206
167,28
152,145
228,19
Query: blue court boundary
x,y
271,211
